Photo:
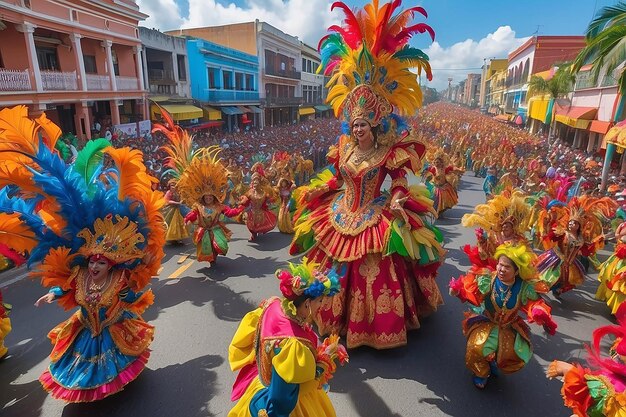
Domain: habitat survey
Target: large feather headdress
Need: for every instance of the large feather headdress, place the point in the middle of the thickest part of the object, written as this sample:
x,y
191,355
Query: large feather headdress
x,y
369,61
53,211
509,206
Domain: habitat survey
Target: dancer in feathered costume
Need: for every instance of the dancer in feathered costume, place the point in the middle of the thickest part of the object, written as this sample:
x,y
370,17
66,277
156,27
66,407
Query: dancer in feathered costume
x,y
498,339
612,274
446,196
203,185
283,369
559,266
389,251
202,182
285,212
503,219
174,213
97,238
259,218
599,390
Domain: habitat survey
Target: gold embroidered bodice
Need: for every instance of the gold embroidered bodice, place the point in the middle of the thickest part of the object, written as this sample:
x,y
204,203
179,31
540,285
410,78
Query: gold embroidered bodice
x,y
257,199
100,307
569,247
359,206
208,216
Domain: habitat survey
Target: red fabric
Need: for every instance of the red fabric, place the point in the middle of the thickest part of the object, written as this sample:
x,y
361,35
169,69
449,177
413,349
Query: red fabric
x,y
192,216
575,391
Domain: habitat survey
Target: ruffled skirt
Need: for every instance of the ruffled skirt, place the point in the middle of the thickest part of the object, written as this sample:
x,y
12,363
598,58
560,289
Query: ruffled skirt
x,y
260,221
211,242
446,197
175,221
612,277
87,368
558,275
312,402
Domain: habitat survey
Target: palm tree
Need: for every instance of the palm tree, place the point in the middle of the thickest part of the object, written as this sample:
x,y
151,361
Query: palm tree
x,y
606,44
558,86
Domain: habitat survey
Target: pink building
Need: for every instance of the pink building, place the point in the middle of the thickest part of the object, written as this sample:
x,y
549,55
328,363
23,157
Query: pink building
x,y
77,60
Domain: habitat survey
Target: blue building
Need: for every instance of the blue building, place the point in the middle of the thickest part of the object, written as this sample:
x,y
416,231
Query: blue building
x,y
226,81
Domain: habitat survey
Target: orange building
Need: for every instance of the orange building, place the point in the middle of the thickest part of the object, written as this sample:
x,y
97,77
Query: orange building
x,y
77,60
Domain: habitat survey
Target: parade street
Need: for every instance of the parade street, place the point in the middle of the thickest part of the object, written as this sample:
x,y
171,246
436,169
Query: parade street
x,y
196,312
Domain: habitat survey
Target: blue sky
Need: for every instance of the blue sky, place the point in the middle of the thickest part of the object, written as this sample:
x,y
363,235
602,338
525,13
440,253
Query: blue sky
x,y
467,31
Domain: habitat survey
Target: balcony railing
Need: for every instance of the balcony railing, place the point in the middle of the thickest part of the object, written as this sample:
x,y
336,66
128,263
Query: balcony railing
x,y
283,73
97,82
277,101
14,80
232,95
59,81
126,83
159,74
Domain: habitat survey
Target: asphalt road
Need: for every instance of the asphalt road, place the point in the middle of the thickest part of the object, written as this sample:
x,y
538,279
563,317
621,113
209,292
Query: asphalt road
x,y
196,312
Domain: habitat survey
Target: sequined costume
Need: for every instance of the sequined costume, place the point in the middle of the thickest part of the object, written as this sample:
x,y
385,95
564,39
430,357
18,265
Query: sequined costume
x,y
259,218
79,212
211,236
174,214
497,335
612,275
283,370
388,261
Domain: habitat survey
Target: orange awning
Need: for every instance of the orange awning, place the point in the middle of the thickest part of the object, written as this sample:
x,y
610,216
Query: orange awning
x,y
574,116
599,126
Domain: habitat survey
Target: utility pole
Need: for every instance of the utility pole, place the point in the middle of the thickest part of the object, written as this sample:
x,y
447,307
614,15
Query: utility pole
x,y
449,88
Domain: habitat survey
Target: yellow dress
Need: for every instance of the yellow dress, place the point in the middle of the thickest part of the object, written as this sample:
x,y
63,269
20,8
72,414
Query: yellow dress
x,y
272,353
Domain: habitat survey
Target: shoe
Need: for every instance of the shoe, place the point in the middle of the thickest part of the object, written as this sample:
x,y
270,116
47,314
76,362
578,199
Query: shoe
x,y
479,382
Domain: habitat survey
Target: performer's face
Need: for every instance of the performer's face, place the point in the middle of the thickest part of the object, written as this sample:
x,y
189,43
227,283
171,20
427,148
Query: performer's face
x,y
362,131
573,226
208,199
98,268
505,270
507,229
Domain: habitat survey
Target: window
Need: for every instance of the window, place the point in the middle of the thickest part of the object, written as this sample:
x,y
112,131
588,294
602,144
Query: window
x,y
212,77
74,16
227,80
238,81
303,64
249,82
47,58
182,70
90,64
309,66
1,62
27,3
116,65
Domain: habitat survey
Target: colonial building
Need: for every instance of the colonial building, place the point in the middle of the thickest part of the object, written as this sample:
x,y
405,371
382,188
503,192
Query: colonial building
x,y
79,61
280,64
312,85
166,66
227,81
539,53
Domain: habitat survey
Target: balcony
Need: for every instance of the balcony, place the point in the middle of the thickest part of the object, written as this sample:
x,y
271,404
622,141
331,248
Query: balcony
x,y
232,95
126,83
59,81
281,101
294,75
160,75
14,80
98,82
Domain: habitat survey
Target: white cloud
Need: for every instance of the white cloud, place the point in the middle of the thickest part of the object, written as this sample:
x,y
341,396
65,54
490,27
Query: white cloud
x,y
306,19
468,56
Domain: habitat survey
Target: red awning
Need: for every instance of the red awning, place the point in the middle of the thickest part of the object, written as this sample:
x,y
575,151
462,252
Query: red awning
x,y
575,112
600,126
207,125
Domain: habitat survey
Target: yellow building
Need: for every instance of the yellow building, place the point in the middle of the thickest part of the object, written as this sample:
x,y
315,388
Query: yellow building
x,y
495,88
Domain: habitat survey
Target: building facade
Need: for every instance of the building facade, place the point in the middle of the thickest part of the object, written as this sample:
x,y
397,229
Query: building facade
x,y
166,66
487,84
280,64
312,85
539,53
79,61
226,80
471,95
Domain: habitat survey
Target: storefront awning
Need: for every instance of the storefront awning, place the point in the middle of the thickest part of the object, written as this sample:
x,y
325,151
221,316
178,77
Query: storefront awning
x,y
303,111
322,107
181,111
231,110
255,109
574,116
207,125
599,126
244,109
537,109
211,113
